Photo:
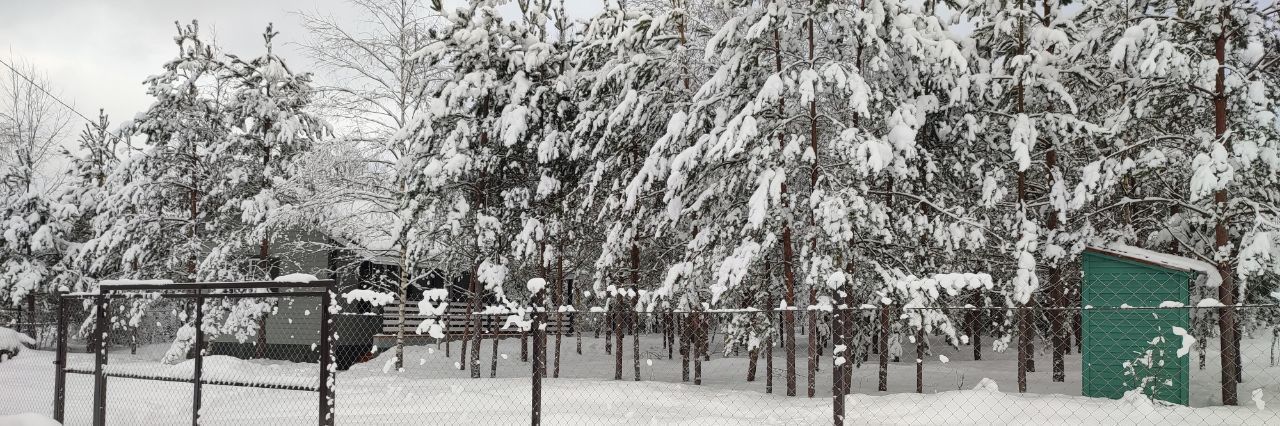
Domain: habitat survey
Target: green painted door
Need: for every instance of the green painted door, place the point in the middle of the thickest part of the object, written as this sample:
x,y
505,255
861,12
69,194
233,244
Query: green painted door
x,y
1114,336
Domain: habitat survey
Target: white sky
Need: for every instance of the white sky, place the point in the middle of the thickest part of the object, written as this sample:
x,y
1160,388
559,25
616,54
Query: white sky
x,y
96,53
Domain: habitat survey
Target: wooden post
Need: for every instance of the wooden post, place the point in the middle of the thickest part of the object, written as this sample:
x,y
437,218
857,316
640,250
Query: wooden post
x,y
199,361
326,416
60,363
100,360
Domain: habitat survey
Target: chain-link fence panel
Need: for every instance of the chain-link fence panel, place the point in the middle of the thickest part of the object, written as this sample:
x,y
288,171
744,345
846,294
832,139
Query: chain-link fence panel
x,y
1133,362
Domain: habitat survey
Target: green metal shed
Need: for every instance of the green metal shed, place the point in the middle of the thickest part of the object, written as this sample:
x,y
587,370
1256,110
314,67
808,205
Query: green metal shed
x,y
1122,292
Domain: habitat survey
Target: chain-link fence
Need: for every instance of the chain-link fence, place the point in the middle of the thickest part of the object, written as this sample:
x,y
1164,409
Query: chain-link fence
x,y
894,364
261,352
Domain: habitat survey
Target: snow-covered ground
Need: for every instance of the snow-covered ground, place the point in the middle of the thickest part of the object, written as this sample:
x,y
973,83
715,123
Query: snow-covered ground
x,y
431,390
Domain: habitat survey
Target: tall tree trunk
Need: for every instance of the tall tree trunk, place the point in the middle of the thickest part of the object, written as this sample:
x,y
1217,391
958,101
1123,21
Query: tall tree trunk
x,y
671,330
883,347
768,347
682,328
789,318
699,345
493,362
1057,316
400,320
617,335
559,298
610,317
635,315
920,360
635,338
1024,319
975,333
1227,330
264,253
813,239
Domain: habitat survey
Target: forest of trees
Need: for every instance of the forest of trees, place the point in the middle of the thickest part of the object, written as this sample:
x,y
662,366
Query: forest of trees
x,y
694,155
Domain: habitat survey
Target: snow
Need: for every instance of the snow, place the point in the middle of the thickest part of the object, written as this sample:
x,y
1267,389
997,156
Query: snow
x,y
27,419
12,341
1209,302
376,298
109,283
1210,273
536,285
296,278
1188,341
586,393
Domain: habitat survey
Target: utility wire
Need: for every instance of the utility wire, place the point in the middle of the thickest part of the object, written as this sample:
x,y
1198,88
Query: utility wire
x,y
46,92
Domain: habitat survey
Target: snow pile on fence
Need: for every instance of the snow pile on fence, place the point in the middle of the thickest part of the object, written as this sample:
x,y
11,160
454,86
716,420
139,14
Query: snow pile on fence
x,y
375,298
296,278
109,283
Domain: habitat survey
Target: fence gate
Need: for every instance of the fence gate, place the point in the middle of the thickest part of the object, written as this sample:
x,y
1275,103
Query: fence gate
x,y
118,306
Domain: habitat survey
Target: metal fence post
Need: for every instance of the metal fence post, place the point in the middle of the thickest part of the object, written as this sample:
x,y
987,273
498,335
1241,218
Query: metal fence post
x,y
60,362
326,359
838,318
539,357
100,359
199,360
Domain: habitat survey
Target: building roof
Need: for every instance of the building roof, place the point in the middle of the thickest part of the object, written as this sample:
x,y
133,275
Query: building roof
x,y
1205,270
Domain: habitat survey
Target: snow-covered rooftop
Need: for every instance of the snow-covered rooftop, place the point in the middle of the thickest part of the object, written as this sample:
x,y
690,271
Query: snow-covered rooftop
x,y
1210,273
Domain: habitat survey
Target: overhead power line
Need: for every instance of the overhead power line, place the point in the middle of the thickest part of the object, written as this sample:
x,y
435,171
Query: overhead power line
x,y
46,92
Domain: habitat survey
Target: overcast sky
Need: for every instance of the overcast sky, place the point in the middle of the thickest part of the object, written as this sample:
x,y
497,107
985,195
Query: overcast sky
x,y
96,53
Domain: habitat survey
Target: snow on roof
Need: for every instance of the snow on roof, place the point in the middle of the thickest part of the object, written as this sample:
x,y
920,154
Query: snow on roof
x,y
296,278
134,282
1208,271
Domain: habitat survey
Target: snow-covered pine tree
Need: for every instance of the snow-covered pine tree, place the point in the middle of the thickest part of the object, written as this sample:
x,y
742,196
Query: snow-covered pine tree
x,y
159,199
271,126
157,202
496,139
1024,84
96,159
632,73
